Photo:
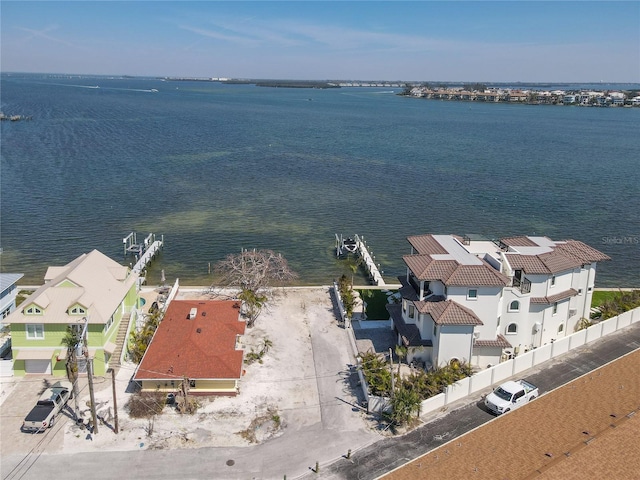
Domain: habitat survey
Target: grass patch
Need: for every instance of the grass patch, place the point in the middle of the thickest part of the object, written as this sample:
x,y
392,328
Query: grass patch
x,y
376,301
601,296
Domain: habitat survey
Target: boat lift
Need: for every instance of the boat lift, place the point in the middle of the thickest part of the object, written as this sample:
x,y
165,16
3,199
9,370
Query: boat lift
x,y
358,246
144,252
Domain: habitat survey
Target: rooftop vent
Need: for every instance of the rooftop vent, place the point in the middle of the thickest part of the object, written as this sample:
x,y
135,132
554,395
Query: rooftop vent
x,y
193,313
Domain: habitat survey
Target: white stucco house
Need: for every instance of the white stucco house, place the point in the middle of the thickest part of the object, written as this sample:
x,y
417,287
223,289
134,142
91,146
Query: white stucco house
x,y
482,302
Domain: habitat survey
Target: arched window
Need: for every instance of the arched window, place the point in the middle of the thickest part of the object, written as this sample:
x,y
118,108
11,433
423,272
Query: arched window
x,y
514,306
512,328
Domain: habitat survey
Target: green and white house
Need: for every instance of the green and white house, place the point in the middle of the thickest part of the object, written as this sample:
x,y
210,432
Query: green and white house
x,y
92,289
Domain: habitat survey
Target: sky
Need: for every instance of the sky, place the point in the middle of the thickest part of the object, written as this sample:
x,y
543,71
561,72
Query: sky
x,y
504,41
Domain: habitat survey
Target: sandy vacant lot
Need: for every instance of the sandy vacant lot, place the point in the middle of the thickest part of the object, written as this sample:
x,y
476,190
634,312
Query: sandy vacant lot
x,y
279,394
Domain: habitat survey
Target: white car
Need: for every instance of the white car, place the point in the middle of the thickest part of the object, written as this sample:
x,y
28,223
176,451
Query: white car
x,y
509,396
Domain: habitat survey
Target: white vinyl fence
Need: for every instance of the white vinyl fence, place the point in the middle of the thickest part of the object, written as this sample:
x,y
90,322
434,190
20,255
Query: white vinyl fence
x,y
510,368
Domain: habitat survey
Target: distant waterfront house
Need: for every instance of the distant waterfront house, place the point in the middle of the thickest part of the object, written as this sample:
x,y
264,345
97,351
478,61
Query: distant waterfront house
x,y
196,340
8,293
92,287
483,302
517,96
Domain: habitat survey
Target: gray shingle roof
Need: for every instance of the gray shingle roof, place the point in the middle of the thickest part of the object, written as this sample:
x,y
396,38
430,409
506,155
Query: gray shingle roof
x,y
8,279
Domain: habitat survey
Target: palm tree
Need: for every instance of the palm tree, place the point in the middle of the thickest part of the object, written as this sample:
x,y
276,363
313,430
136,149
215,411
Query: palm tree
x,y
253,302
71,340
401,352
405,403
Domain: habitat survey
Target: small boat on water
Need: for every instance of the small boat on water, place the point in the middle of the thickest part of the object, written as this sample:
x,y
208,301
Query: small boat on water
x,y
346,246
350,245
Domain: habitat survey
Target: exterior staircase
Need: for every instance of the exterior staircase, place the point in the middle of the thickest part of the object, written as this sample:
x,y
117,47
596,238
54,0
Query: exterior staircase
x,y
121,339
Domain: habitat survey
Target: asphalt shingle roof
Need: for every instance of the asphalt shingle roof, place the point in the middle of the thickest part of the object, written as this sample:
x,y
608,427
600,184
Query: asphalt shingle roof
x,y
200,348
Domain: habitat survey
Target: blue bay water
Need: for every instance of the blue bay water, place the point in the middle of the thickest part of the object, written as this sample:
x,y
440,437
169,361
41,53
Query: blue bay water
x,y
216,168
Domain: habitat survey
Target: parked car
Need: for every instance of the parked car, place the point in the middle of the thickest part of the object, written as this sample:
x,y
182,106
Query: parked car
x,y
51,402
509,396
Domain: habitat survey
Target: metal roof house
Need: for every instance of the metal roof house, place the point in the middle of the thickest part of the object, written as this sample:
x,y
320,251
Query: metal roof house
x,y
92,288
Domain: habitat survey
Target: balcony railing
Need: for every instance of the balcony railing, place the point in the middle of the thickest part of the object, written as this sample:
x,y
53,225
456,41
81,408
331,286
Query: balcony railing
x,y
524,285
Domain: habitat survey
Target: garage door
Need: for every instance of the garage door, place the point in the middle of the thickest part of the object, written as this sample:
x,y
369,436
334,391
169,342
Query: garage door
x,y
37,366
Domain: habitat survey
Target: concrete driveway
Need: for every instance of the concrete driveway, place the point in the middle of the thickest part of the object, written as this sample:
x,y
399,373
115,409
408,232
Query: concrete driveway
x,y
24,394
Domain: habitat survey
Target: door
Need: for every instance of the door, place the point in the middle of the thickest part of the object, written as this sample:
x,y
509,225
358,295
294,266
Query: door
x,y
42,367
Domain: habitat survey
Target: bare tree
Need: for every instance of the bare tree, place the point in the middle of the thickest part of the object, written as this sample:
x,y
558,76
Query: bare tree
x,y
254,272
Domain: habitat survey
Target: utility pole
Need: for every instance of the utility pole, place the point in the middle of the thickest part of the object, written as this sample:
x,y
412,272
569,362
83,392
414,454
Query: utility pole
x,y
115,401
90,376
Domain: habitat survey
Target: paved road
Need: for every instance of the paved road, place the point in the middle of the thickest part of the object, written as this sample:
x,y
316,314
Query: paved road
x,y
328,441
384,456
294,453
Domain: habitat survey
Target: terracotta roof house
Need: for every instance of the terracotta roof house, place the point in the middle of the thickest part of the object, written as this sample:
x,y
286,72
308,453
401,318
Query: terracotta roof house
x,y
482,302
196,340
91,288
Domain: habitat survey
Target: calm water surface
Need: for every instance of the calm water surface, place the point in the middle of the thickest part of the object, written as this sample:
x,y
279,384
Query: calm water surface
x,y
216,168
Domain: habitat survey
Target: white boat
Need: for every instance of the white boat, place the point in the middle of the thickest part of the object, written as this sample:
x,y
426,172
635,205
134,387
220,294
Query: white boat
x,y
350,245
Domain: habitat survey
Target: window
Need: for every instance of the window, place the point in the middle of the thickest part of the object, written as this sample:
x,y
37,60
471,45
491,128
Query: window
x,y
555,308
472,294
512,328
404,306
107,325
561,328
514,306
579,291
192,383
412,311
35,331
77,311
553,280
32,310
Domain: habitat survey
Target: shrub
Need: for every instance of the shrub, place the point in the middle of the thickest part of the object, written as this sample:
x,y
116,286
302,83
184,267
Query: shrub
x,y
146,404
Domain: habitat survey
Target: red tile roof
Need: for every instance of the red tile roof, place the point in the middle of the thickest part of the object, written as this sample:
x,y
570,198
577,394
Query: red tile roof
x,y
564,255
555,298
581,251
426,244
448,312
500,341
198,348
520,241
450,272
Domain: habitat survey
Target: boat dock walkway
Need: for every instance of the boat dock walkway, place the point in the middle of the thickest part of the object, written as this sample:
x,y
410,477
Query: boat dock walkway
x,y
361,249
